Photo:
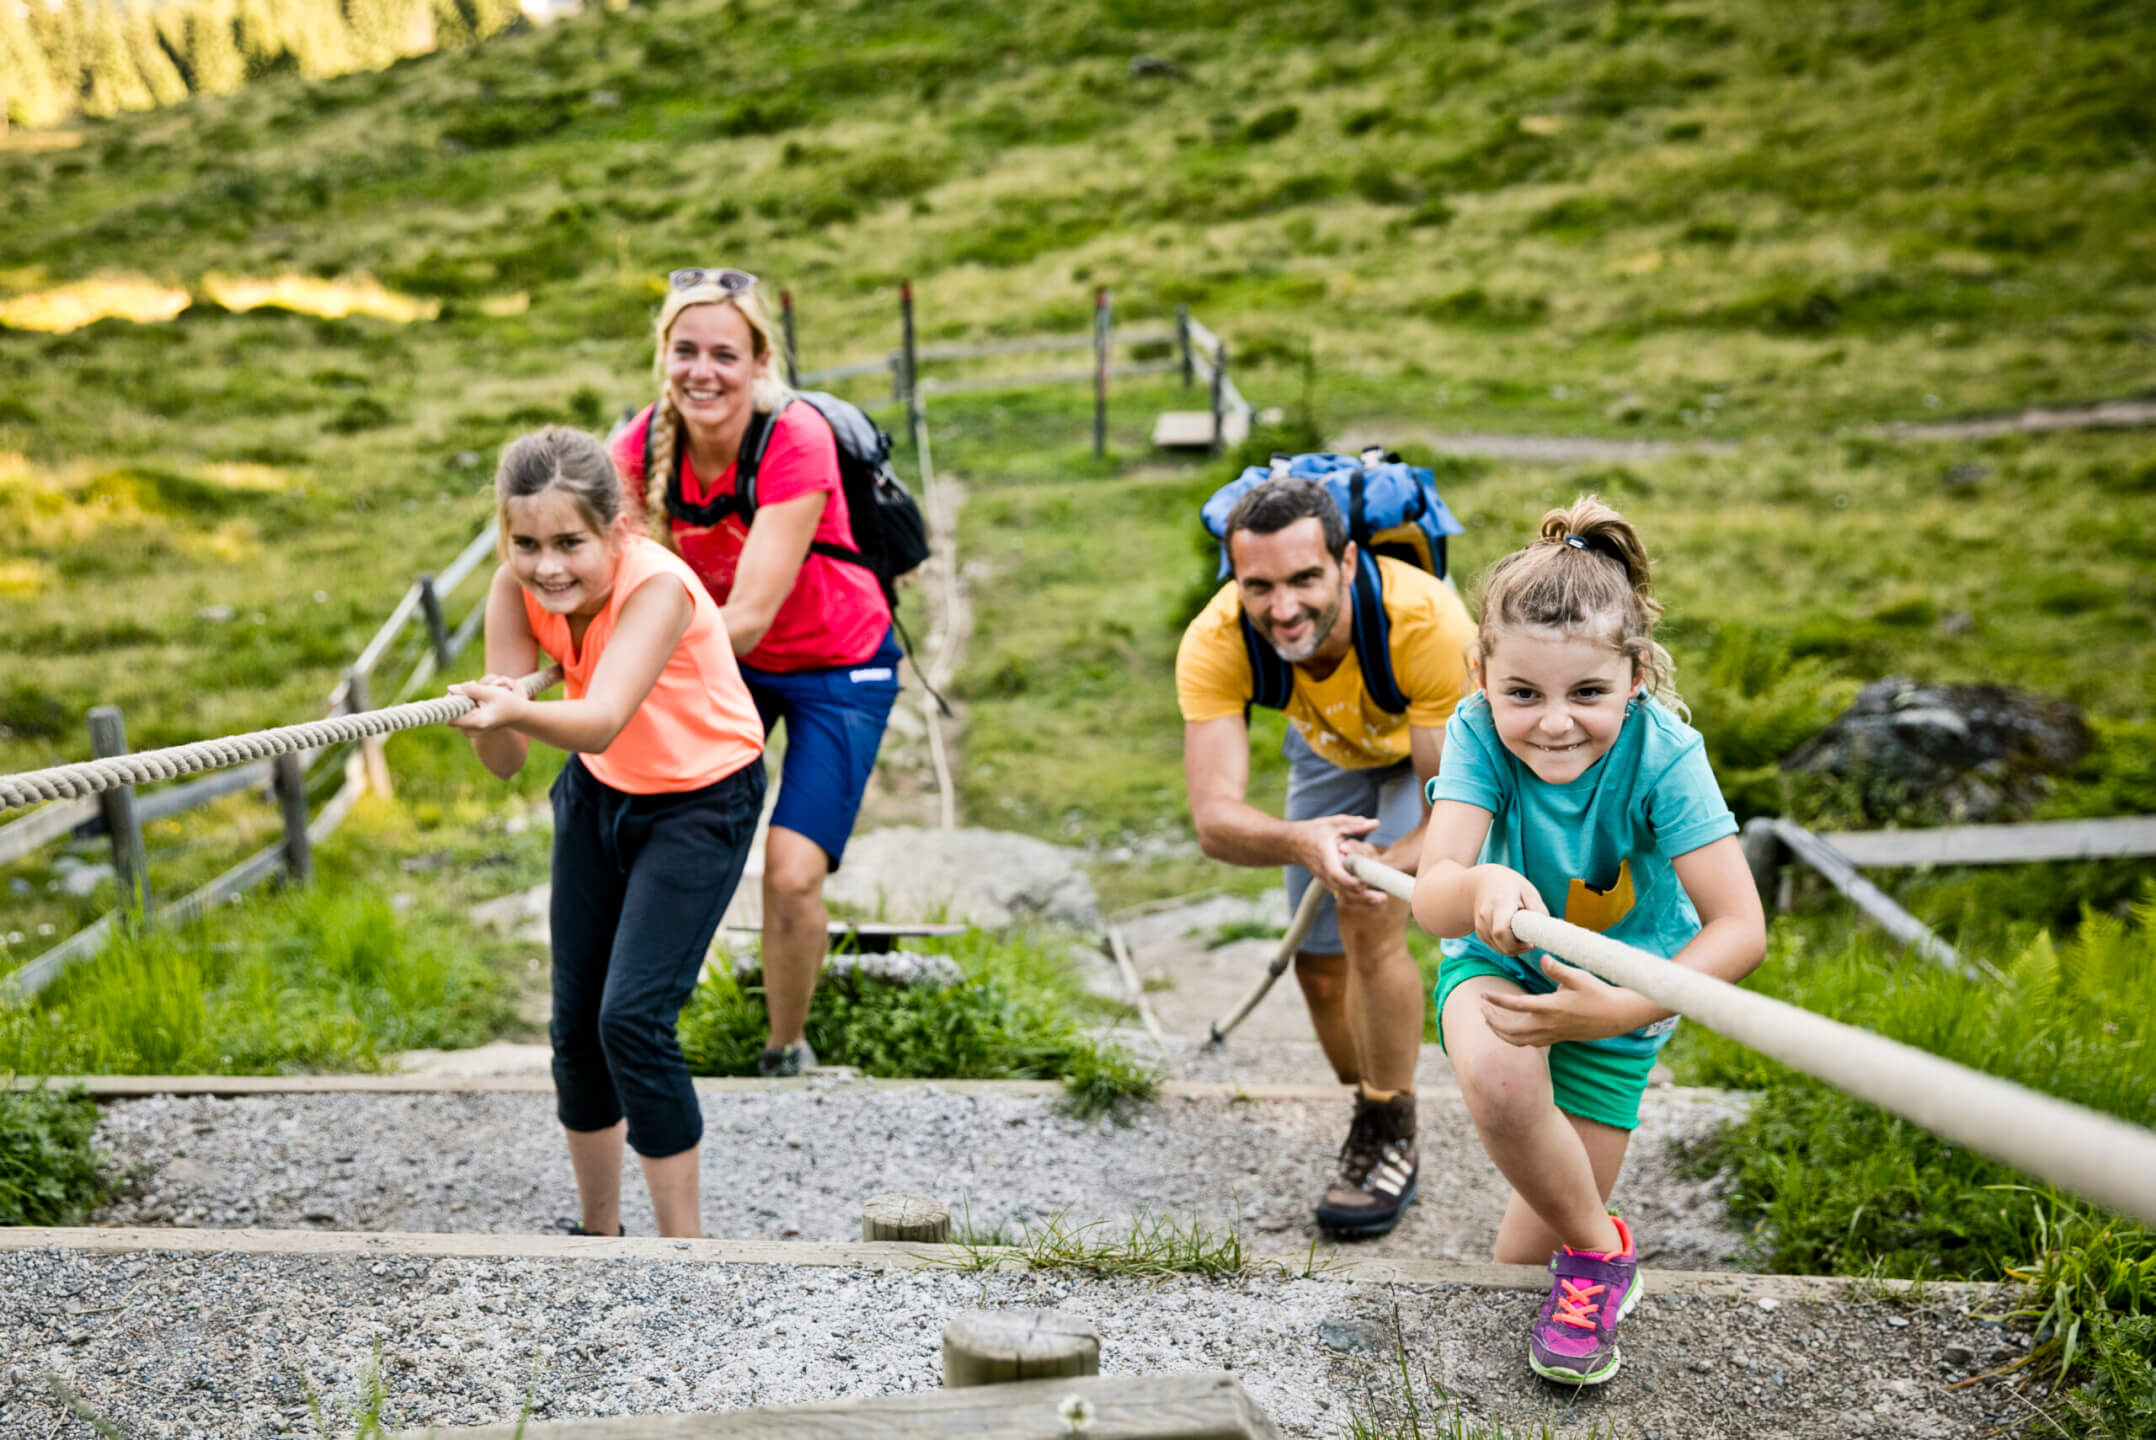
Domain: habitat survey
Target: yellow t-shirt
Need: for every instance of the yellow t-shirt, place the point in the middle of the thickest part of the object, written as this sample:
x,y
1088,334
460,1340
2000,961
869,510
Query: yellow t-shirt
x,y
1431,633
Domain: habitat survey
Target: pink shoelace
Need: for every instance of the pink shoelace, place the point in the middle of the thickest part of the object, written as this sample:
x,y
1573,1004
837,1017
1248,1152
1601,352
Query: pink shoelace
x,y
1576,1304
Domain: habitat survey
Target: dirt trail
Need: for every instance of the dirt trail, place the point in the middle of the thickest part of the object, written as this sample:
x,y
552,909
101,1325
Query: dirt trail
x,y
1603,450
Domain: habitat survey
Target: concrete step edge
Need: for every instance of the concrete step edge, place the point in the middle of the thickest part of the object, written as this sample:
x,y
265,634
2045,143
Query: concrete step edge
x,y
1335,1266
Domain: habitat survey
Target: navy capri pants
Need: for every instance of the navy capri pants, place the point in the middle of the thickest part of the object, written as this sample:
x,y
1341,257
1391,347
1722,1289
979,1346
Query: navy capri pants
x,y
640,883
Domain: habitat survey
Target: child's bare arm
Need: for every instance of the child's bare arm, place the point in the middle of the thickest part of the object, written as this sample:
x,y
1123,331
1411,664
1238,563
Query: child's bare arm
x,y
1730,942
1454,895
649,626
511,650
1732,937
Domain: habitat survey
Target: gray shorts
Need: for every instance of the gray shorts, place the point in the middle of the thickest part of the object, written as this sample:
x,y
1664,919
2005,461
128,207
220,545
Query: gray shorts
x,y
1318,787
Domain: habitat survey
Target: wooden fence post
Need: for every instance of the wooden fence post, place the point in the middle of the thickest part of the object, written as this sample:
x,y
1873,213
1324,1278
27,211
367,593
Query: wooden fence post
x,y
108,737
1220,396
912,359
793,346
372,753
992,1347
290,780
1765,854
430,605
1182,344
909,1219
1102,325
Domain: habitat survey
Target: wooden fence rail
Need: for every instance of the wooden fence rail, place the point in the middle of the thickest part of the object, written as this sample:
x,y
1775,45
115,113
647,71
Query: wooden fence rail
x,y
1200,357
120,814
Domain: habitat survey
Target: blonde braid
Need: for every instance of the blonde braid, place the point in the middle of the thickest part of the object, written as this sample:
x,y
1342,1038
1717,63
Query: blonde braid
x,y
659,470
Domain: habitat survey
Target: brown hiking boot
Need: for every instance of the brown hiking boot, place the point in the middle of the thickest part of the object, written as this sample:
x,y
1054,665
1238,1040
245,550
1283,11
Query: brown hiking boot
x,y
1377,1169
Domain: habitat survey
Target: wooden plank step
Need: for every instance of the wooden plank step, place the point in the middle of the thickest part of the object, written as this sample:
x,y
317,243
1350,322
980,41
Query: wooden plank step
x,y
1197,1406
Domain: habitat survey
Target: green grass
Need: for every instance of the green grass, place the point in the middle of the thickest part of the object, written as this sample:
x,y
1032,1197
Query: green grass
x,y
327,978
1015,1016
49,1175
1830,1185
1153,1246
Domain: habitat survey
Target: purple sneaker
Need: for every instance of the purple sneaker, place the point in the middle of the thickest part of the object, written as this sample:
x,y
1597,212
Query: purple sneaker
x,y
1574,1341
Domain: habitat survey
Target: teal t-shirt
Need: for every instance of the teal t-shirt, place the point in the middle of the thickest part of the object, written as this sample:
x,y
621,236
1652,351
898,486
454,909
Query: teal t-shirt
x,y
1598,849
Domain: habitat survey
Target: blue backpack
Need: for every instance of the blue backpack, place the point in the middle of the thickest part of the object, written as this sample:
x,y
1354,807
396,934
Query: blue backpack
x,y
1392,510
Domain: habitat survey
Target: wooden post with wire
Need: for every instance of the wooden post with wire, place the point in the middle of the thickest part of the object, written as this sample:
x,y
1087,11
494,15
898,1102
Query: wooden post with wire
x,y
793,346
374,757
289,778
1220,396
108,737
430,607
912,358
1102,325
1182,345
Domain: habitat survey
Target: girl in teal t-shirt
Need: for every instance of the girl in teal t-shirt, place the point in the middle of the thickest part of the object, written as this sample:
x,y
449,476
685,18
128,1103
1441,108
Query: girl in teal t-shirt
x,y
1570,786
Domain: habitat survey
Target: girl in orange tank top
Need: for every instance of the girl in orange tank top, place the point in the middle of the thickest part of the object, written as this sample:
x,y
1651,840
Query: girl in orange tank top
x,y
654,813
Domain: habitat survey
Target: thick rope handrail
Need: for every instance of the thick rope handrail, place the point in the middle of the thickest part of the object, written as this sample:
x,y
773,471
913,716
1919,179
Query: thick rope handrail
x,y
91,777
2091,1154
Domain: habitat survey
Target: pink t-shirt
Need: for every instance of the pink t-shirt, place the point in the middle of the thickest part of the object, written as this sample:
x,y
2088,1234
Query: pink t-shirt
x,y
699,724
835,614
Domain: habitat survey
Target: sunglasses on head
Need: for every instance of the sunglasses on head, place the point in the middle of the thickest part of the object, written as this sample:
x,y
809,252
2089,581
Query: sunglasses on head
x,y
733,282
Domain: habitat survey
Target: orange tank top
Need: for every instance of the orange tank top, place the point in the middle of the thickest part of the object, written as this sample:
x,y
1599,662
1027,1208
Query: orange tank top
x,y
698,724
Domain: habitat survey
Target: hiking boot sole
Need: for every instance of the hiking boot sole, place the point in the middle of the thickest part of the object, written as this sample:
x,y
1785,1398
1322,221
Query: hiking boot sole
x,y
1368,1229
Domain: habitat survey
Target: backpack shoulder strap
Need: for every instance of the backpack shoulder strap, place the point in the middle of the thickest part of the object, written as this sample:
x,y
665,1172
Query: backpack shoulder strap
x,y
754,442
1272,679
1373,638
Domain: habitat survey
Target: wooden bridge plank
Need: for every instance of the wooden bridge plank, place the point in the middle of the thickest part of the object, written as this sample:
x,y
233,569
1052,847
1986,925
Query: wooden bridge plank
x,y
2125,835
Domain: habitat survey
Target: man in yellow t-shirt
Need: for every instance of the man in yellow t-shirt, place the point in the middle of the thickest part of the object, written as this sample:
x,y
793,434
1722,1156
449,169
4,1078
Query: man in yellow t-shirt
x,y
1301,601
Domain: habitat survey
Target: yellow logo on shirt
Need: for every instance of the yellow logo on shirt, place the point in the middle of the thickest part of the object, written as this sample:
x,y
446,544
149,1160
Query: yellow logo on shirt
x,y
1598,910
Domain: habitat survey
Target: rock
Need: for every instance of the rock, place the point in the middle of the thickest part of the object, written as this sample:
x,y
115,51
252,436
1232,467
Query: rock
x,y
1154,67
1958,1357
989,878
1945,752
1349,1335
215,614
81,881
903,968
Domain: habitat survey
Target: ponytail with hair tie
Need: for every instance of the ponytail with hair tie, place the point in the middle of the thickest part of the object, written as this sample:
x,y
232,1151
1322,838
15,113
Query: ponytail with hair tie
x,y
1540,588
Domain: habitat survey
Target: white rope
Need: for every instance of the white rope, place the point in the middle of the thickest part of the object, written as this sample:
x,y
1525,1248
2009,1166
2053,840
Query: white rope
x,y
2094,1155
90,777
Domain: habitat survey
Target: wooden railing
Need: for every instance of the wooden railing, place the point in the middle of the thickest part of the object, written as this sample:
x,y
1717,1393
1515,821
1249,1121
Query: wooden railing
x,y
1200,357
1770,843
120,814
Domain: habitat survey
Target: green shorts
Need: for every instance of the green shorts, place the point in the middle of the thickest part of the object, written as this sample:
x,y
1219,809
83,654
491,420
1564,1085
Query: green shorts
x,y
1588,1081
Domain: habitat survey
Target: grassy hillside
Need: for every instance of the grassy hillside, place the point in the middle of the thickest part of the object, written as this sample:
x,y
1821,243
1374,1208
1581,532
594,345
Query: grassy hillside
x,y
1674,220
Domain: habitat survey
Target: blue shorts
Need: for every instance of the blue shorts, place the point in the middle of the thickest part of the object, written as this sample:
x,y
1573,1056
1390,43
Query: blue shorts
x,y
1318,787
834,724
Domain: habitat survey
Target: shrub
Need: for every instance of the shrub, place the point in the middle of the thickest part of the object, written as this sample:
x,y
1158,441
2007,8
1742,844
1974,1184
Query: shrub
x,y
48,1173
1013,1018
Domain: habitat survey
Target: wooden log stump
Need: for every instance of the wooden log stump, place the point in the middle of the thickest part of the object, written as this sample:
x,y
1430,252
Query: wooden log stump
x,y
990,1347
916,1219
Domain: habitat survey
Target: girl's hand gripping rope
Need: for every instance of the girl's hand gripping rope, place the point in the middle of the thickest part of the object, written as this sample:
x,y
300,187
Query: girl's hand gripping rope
x,y
497,702
1580,1008
1500,894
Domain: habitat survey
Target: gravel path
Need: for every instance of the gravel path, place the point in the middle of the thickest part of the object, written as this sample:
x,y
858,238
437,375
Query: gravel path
x,y
173,1346
796,1164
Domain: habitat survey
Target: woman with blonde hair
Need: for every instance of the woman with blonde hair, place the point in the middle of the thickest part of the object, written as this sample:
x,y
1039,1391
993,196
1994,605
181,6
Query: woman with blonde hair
x,y
806,615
